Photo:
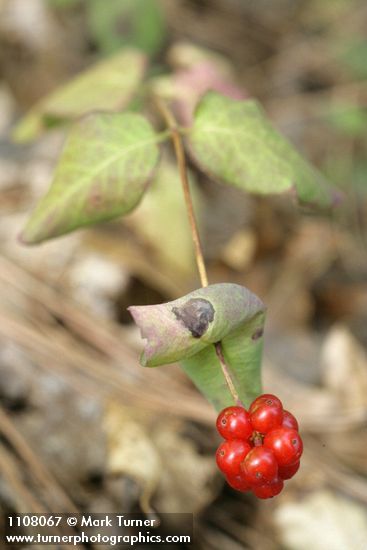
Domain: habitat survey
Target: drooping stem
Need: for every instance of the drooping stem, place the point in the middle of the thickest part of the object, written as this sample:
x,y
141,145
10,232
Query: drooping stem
x,y
181,161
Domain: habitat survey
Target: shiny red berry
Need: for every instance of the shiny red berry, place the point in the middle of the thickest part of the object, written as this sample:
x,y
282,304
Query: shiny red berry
x,y
287,472
259,466
268,398
234,423
286,445
230,454
266,413
289,421
238,482
269,490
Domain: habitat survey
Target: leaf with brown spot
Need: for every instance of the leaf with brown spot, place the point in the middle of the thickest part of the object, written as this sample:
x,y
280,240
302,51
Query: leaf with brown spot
x,y
186,330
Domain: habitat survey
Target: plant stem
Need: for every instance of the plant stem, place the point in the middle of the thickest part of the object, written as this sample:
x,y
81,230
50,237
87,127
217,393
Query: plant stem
x,y
181,161
225,371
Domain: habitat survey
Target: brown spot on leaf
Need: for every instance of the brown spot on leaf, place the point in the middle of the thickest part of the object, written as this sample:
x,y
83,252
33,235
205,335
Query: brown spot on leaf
x,y
196,315
257,334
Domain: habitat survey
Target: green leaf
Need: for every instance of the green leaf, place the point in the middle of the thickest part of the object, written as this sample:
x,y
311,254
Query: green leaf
x,y
137,23
102,173
185,330
107,86
234,142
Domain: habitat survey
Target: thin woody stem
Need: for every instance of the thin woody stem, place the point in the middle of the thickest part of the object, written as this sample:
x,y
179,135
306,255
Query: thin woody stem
x,y
227,376
181,161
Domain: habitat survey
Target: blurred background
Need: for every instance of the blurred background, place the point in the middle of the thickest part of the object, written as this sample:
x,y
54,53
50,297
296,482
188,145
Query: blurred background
x,y
83,426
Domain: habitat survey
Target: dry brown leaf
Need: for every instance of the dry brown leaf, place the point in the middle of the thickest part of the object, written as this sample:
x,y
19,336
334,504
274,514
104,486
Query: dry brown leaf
x,y
344,368
322,521
130,451
187,477
239,251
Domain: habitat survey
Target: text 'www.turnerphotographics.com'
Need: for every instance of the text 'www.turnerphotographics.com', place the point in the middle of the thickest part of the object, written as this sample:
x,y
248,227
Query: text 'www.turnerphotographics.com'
x,y
106,529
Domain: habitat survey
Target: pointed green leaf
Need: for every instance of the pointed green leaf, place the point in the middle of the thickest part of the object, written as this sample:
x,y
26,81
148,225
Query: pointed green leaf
x,y
185,330
234,142
109,85
102,173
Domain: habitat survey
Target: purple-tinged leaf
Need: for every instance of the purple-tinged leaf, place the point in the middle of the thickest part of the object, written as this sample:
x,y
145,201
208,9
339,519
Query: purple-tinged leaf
x,y
186,330
102,173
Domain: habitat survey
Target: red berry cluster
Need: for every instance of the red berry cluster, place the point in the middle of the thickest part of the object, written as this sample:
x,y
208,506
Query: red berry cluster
x,y
262,447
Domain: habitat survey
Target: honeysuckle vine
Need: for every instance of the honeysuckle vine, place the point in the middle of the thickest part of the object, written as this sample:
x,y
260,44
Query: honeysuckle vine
x,y
199,256
110,156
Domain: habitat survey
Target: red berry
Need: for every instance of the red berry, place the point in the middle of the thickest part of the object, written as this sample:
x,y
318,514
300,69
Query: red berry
x,y
287,472
238,482
289,421
259,466
266,398
230,455
286,445
266,413
234,423
269,490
